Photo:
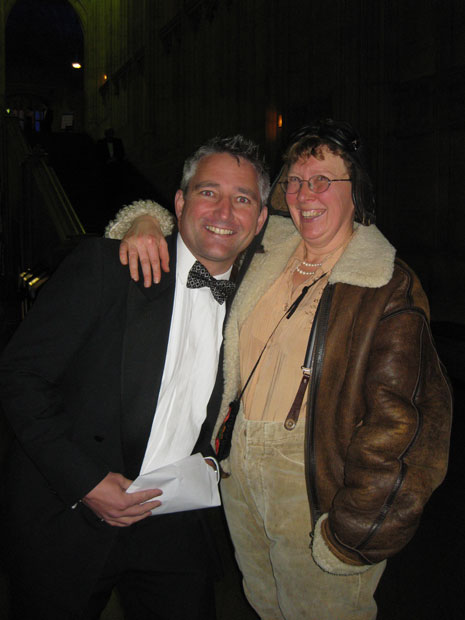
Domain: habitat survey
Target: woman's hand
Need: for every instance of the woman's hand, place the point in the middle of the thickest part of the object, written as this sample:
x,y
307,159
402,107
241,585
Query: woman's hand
x,y
144,242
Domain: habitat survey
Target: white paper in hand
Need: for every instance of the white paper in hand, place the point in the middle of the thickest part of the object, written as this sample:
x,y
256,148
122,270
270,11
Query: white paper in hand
x,y
187,484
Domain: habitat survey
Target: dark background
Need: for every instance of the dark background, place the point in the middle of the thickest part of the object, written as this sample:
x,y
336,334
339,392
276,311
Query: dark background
x,y
167,75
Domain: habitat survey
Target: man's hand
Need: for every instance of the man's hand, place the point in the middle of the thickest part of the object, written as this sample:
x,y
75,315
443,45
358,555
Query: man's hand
x,y
110,502
145,242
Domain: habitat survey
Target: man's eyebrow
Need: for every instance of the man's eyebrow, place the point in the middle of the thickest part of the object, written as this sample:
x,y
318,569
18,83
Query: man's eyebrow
x,y
242,190
206,184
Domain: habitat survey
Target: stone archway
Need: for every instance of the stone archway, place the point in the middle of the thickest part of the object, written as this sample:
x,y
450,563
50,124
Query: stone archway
x,y
79,10
42,41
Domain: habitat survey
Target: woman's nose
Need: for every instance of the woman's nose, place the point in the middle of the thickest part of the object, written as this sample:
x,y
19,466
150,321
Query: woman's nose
x,y
305,193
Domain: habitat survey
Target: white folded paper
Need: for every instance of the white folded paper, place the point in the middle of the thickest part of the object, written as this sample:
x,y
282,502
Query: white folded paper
x,y
187,484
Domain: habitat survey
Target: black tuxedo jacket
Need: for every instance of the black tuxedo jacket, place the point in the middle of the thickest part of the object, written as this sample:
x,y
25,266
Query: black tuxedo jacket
x,y
80,382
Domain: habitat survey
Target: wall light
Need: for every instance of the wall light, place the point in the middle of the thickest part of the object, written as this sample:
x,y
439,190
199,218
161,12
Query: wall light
x,y
280,120
76,65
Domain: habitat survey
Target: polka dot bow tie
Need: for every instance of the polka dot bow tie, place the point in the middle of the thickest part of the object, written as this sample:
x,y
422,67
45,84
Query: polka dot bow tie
x,y
199,277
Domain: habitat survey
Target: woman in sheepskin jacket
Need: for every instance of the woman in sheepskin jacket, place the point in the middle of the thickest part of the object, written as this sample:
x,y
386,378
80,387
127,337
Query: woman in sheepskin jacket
x,y
325,481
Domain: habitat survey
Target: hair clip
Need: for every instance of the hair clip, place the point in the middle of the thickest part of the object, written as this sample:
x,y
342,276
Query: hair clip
x,y
355,144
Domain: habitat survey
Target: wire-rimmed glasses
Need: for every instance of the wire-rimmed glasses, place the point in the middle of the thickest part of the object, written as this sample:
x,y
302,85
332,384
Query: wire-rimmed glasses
x,y
317,183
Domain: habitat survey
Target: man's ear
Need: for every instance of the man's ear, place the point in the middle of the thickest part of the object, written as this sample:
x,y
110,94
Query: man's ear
x,y
179,203
261,219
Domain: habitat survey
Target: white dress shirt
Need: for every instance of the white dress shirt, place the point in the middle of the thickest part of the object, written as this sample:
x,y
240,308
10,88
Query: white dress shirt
x,y
190,369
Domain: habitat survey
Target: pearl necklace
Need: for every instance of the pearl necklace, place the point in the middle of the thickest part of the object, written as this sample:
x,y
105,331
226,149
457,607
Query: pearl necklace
x,y
311,264
307,273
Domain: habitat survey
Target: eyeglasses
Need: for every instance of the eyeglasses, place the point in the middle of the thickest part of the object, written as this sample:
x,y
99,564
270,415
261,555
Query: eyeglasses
x,y
318,183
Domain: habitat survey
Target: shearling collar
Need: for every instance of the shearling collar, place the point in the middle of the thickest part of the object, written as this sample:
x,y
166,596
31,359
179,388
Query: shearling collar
x,y
367,261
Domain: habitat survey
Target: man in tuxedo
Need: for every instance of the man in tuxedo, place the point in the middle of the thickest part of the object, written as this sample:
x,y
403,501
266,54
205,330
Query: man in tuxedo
x,y
106,379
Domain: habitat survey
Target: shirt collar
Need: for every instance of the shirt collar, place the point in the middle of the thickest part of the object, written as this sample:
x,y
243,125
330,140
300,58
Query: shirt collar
x,y
185,260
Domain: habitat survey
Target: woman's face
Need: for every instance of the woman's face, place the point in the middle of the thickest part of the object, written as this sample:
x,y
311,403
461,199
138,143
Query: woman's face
x,y
325,220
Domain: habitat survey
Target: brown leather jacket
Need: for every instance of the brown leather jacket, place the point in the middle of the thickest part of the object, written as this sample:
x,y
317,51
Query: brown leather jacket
x,y
379,409
378,417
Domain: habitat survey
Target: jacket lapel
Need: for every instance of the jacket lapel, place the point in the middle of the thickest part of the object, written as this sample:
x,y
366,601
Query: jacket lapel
x,y
148,322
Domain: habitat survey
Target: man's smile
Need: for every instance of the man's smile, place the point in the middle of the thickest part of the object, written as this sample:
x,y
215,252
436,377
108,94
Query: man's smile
x,y
219,231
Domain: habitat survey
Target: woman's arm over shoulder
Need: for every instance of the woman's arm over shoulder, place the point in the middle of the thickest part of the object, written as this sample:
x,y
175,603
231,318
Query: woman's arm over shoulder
x,y
119,227
142,226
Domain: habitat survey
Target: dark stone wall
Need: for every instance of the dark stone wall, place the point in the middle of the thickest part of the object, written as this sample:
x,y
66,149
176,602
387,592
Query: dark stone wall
x,y
394,68
179,72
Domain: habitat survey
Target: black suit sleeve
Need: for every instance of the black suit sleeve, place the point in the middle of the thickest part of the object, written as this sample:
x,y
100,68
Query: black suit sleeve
x,y
34,362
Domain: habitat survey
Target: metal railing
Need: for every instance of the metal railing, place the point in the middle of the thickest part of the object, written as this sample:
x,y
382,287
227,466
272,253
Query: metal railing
x,y
38,224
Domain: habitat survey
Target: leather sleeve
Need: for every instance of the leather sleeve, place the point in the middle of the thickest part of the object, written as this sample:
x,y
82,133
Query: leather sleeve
x,y
398,451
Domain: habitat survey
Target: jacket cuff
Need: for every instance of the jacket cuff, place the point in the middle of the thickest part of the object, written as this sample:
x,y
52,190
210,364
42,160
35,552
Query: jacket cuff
x,y
117,228
325,558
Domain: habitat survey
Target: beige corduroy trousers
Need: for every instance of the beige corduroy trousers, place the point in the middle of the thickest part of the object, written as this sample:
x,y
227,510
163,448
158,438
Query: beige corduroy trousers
x,y
267,510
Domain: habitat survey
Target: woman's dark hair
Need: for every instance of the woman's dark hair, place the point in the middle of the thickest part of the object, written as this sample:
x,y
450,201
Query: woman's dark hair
x,y
341,139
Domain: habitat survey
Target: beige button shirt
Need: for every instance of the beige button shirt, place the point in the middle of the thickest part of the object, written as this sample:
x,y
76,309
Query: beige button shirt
x,y
274,384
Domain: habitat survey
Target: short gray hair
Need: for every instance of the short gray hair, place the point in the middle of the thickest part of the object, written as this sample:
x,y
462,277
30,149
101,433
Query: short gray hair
x,y
237,146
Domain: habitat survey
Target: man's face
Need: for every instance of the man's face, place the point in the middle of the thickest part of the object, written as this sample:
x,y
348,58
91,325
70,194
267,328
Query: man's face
x,y
325,221
220,213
